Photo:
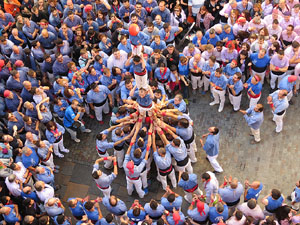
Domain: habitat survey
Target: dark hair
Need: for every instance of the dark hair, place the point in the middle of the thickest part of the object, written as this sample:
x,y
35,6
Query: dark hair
x,y
89,205
238,215
95,175
51,124
216,131
136,211
185,176
153,204
205,176
276,194
109,218
171,197
251,203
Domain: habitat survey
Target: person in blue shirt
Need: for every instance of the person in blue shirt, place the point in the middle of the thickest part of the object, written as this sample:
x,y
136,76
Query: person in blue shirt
x,y
273,200
154,209
157,43
171,200
11,214
45,174
105,44
92,210
143,99
218,212
199,214
76,207
176,218
137,41
61,220
136,213
107,220
30,159
218,83
260,62
28,192
72,114
231,193
235,88
213,37
114,205
90,23
12,101
98,97
21,41
124,44
254,117
288,83
199,40
211,147
254,190
163,11
253,87
162,75
279,103
168,33
227,34
189,184
178,103
231,69
295,197
47,40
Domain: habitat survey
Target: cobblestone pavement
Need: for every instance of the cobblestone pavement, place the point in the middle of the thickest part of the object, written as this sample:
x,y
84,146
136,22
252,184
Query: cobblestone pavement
x,y
273,162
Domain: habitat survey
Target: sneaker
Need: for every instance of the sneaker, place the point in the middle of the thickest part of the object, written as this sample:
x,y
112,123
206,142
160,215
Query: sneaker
x,y
289,198
87,131
57,167
291,102
59,155
213,103
65,150
55,171
91,116
146,191
76,140
253,142
220,109
216,172
101,122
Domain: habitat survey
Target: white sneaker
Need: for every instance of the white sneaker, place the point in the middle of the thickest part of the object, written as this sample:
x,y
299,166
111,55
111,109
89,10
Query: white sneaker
x,y
65,150
87,131
76,140
60,155
220,109
213,103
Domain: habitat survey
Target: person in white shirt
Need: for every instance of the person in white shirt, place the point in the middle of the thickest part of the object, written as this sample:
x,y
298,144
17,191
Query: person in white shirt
x,y
251,208
117,58
238,218
14,185
44,191
274,28
210,185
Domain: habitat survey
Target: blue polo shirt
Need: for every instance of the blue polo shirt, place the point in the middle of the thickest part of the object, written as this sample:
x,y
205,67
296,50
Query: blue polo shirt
x,y
69,117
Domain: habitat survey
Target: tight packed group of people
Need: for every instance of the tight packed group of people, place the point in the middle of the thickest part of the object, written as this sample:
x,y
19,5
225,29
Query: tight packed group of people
x,y
137,62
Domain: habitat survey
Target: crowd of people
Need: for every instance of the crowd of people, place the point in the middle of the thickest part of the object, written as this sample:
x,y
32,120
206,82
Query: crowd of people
x,y
137,62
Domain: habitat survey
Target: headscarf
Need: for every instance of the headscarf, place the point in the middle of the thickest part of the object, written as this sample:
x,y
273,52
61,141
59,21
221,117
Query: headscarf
x,y
200,207
130,167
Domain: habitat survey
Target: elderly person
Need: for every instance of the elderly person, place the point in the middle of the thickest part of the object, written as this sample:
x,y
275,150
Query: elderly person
x,y
44,191
54,207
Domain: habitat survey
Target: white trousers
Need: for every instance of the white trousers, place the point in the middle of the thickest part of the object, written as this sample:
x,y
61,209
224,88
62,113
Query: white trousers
x,y
141,81
189,196
262,75
274,77
214,163
50,162
163,179
144,179
290,95
136,49
279,121
187,168
59,146
101,109
219,97
256,134
253,101
235,101
191,151
206,83
120,157
105,192
296,205
107,163
197,82
138,187
297,73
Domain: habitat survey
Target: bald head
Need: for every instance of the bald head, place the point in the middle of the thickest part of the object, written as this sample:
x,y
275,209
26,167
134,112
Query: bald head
x,y
15,32
27,84
255,184
45,33
16,49
234,183
197,57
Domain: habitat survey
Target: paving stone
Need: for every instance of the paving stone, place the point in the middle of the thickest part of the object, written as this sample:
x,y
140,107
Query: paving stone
x,y
75,190
82,174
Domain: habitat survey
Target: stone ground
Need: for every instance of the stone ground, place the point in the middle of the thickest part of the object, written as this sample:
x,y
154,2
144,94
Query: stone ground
x,y
273,162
